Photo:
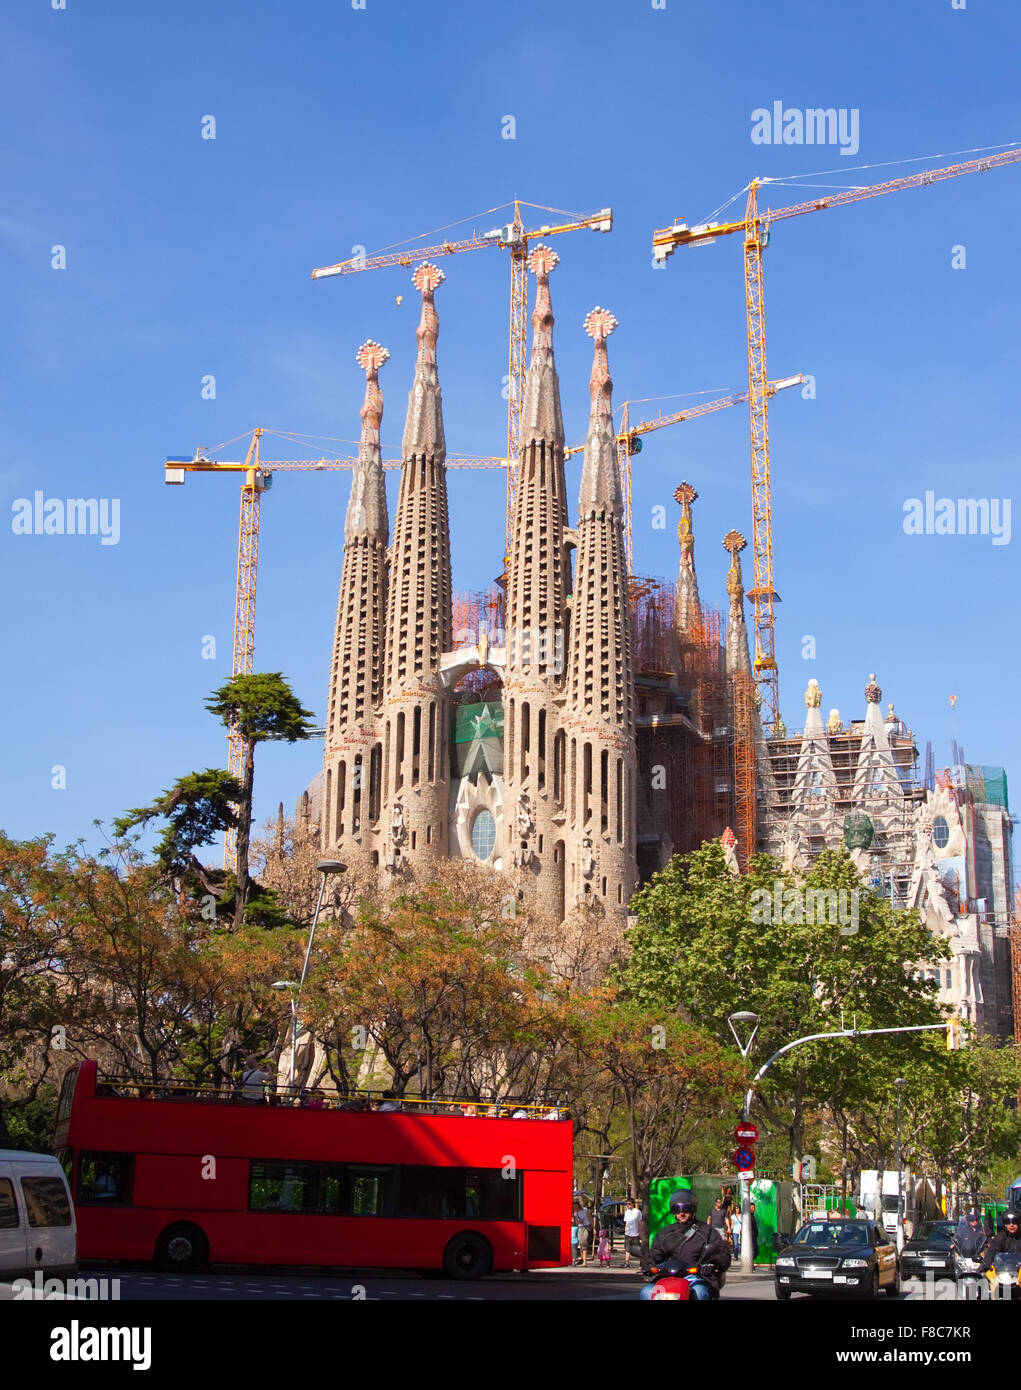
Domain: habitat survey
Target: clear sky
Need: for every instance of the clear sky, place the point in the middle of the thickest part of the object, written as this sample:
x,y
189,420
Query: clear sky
x,y
338,127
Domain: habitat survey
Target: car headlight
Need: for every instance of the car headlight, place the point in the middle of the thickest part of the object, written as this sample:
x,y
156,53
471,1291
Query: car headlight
x,y
854,1264
785,1262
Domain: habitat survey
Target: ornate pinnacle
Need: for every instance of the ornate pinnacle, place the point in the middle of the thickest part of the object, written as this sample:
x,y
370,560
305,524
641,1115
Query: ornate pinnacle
x,y
813,695
734,542
599,324
427,278
685,495
370,357
541,260
873,694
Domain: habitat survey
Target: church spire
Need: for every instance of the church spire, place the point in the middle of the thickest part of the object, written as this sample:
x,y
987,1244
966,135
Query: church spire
x,y
687,605
738,659
366,508
600,477
423,429
540,412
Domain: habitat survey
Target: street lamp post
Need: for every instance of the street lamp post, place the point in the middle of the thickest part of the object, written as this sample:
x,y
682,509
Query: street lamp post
x,y
747,1253
325,867
900,1083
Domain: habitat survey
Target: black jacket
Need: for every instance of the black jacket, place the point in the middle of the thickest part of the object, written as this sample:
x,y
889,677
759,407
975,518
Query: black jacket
x,y
968,1242
1003,1244
694,1245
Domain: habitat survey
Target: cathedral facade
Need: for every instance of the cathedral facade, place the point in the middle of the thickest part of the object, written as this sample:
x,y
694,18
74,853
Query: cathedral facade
x,y
538,782
606,723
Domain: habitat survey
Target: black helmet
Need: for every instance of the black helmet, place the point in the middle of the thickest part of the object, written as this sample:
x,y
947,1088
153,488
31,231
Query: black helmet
x,y
681,1202
973,1215
1010,1218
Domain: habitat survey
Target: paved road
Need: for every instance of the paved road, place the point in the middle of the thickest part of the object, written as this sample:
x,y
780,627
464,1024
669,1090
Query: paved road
x,y
142,1284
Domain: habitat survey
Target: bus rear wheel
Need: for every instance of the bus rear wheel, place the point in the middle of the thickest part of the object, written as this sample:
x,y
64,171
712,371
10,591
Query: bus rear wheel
x,y
181,1249
467,1256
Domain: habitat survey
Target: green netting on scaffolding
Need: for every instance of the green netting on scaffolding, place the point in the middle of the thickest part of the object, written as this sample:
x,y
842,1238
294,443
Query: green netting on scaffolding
x,y
987,785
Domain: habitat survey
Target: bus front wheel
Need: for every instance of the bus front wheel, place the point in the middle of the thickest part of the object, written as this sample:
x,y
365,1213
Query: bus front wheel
x,y
468,1256
181,1249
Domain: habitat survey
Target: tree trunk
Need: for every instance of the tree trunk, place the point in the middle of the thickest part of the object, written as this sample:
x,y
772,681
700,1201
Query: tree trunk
x,y
244,833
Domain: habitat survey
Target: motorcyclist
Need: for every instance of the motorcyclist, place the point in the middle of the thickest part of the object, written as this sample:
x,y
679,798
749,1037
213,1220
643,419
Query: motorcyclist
x,y
969,1238
1008,1242
690,1243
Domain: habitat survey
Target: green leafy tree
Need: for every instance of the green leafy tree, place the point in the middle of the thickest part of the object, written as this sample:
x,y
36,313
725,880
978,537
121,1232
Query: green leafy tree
x,y
708,943
260,707
197,808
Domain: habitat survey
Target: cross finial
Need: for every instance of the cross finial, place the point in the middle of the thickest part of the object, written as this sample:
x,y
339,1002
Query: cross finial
x,y
734,542
685,495
599,323
542,259
426,277
371,356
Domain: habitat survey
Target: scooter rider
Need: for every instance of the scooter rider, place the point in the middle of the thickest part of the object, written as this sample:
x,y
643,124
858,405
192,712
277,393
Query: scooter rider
x,y
969,1237
691,1244
1008,1242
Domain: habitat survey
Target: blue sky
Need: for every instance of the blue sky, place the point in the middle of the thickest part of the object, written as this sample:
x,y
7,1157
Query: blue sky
x,y
338,127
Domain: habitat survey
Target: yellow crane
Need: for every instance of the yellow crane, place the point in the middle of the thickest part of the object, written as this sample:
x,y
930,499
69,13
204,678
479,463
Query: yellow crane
x,y
754,228
629,437
515,238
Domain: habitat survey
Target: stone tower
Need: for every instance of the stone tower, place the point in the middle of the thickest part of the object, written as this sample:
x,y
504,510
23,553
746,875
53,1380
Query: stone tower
x,y
353,761
538,582
599,719
416,707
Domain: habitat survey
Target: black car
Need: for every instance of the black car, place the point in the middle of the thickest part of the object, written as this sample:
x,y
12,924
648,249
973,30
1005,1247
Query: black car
x,y
838,1256
928,1250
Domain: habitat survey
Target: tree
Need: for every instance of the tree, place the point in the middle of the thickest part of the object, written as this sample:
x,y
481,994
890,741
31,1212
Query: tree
x,y
667,1080
259,707
33,942
708,943
198,807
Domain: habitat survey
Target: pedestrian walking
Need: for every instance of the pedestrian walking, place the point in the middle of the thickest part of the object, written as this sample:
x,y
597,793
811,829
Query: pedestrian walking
x,y
604,1248
584,1219
735,1229
753,1232
632,1232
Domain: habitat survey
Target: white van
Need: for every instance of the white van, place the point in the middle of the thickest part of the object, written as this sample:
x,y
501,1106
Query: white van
x,y
37,1225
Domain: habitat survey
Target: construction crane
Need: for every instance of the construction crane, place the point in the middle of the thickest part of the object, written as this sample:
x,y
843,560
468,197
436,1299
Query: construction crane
x,y
515,238
755,228
629,437
257,479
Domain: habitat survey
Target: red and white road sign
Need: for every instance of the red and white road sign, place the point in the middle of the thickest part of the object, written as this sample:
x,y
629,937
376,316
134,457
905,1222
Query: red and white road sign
x,y
746,1132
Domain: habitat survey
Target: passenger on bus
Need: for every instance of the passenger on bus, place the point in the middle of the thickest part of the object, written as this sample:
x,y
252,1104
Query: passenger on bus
x,y
388,1104
253,1083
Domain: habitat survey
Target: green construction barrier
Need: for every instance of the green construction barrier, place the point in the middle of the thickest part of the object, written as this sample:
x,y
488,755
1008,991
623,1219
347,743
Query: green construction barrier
x,y
773,1205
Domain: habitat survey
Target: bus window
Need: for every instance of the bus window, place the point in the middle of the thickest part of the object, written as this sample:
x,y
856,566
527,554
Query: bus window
x,y
492,1197
105,1179
282,1187
373,1191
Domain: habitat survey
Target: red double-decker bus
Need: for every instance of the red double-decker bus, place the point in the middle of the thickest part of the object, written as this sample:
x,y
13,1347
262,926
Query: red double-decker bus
x,y
184,1176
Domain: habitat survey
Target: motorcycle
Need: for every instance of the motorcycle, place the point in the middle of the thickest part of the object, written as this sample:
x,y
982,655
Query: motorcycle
x,y
969,1281
675,1281
1005,1275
